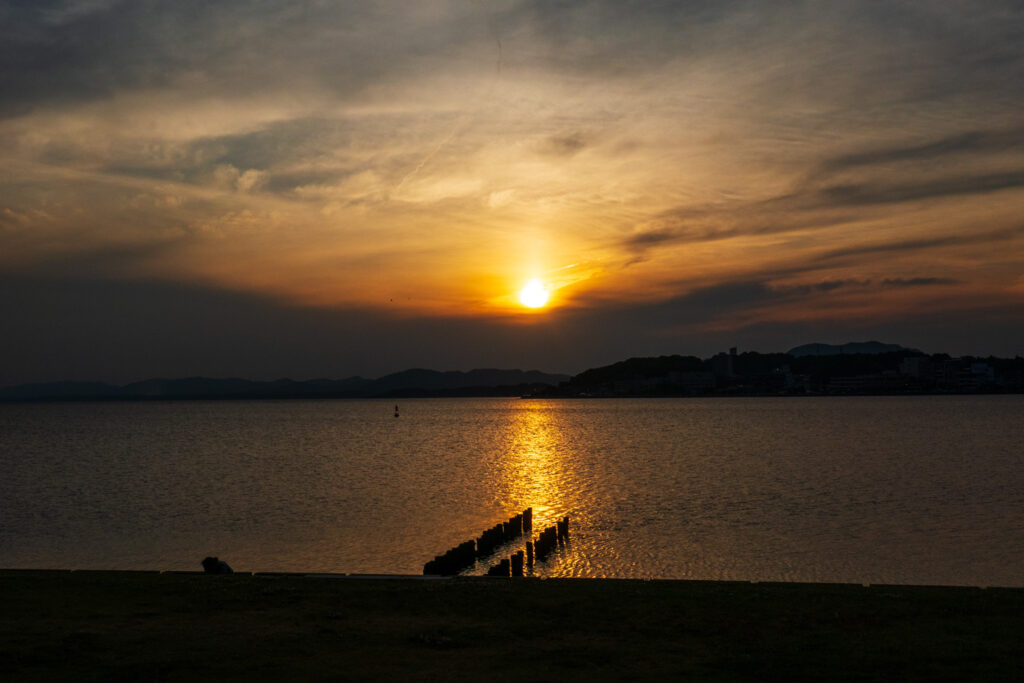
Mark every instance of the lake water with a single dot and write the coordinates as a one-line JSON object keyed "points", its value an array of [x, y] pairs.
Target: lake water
{"points": [[919, 490]]}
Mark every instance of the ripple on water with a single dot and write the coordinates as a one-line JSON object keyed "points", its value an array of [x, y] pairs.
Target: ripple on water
{"points": [[894, 489]]}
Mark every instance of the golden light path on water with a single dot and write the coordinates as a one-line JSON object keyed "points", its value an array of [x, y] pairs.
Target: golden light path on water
{"points": [[533, 472], [534, 466], [540, 468]]}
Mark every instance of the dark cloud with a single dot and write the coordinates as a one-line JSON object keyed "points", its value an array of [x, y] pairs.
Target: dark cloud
{"points": [[91, 54], [880, 192], [823, 287], [564, 145], [56, 51], [705, 302], [82, 328], [968, 143], [718, 302], [119, 331], [304, 149], [687, 225], [915, 245], [639, 243], [222, 48], [111, 261], [919, 282]]}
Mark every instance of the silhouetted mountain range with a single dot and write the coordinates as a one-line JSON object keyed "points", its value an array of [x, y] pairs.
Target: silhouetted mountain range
{"points": [[415, 382], [853, 368]]}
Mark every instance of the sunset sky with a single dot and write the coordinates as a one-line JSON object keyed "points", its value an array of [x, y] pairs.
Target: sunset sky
{"points": [[319, 189]]}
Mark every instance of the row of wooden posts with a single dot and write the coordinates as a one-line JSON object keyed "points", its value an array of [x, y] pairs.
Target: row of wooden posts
{"points": [[547, 541], [464, 555]]}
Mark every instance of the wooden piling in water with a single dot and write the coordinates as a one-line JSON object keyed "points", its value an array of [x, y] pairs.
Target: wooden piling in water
{"points": [[546, 542], [453, 561], [517, 563], [503, 568]]}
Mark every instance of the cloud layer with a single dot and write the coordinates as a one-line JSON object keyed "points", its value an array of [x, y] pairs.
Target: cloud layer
{"points": [[689, 172]]}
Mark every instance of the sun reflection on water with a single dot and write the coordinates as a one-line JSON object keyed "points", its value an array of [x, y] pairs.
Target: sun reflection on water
{"points": [[533, 465], [534, 469]]}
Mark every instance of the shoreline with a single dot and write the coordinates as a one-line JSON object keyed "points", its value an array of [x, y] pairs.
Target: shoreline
{"points": [[98, 625], [297, 574]]}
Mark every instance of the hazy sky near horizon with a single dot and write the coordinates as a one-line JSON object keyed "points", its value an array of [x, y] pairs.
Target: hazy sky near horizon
{"points": [[312, 188]]}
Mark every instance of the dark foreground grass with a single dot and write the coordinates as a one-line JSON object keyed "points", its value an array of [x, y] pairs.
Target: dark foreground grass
{"points": [[99, 626]]}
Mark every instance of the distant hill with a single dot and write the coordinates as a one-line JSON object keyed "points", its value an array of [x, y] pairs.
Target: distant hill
{"points": [[866, 368], [57, 391], [637, 368], [849, 348], [415, 382]]}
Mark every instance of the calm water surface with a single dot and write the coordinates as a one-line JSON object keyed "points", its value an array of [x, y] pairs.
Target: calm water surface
{"points": [[880, 490]]}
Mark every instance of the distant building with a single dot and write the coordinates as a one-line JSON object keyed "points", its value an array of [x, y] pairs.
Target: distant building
{"points": [[885, 381], [918, 367], [959, 375], [724, 365], [983, 372], [795, 383]]}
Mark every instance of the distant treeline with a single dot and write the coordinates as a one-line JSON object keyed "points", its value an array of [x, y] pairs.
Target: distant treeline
{"points": [[761, 374]]}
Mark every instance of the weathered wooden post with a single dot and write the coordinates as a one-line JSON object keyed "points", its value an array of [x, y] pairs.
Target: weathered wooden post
{"points": [[517, 563], [529, 554], [528, 519], [546, 542]]}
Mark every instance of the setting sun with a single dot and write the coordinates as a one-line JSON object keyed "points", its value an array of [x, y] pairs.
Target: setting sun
{"points": [[534, 294]]}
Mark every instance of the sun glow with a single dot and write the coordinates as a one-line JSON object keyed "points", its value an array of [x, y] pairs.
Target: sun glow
{"points": [[534, 294]]}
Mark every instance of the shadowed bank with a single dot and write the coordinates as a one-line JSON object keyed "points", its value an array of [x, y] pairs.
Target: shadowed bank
{"points": [[58, 625]]}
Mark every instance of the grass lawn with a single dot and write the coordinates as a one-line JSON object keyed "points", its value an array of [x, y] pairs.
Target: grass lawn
{"points": [[142, 626]]}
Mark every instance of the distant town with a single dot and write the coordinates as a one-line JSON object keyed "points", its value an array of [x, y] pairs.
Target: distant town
{"points": [[868, 368]]}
